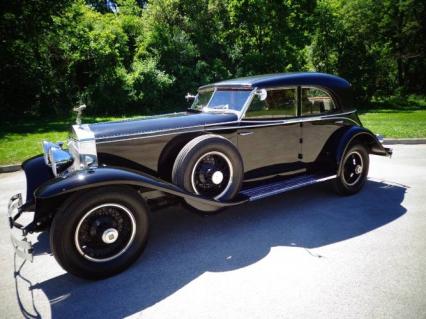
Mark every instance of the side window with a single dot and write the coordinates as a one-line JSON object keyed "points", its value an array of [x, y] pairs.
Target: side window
{"points": [[278, 104], [315, 101]]}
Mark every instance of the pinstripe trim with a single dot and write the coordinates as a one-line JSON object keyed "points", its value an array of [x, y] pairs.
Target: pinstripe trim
{"points": [[224, 126]]}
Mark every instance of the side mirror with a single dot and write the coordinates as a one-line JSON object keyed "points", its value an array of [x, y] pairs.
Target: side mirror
{"points": [[189, 97], [262, 94]]}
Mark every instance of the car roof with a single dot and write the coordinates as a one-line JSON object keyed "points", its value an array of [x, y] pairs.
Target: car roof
{"points": [[337, 86], [277, 79]]}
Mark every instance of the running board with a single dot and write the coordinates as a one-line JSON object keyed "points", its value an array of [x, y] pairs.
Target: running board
{"points": [[286, 185]]}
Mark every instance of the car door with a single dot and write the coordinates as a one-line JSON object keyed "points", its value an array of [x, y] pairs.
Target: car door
{"points": [[319, 123], [268, 134]]}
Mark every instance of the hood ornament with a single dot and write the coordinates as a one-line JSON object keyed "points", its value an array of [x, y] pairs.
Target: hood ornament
{"points": [[79, 110]]}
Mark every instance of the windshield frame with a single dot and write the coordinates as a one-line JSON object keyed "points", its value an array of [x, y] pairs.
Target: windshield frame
{"points": [[207, 109]]}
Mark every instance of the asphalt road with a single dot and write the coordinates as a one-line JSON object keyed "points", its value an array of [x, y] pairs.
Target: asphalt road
{"points": [[304, 254]]}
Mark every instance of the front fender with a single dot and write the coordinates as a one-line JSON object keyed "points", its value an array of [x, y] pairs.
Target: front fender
{"points": [[103, 176], [36, 173]]}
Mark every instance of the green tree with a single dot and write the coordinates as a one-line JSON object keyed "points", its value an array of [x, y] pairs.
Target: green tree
{"points": [[267, 36], [377, 45]]}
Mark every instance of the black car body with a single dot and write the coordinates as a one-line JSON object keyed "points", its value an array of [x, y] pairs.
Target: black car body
{"points": [[242, 140]]}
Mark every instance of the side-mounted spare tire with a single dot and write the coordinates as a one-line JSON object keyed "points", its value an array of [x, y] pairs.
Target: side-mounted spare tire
{"points": [[210, 166]]}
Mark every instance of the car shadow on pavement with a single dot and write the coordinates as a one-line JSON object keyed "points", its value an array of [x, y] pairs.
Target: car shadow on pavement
{"points": [[183, 246]]}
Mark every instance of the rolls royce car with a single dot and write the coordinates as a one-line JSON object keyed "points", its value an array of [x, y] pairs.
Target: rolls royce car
{"points": [[241, 140]]}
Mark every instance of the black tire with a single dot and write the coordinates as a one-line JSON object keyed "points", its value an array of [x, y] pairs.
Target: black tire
{"points": [[83, 226], [353, 171], [199, 161]]}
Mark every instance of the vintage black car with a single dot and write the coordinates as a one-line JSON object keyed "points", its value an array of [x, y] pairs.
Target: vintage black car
{"points": [[241, 140]]}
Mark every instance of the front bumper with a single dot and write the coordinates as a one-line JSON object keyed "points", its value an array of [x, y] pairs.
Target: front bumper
{"points": [[23, 247]]}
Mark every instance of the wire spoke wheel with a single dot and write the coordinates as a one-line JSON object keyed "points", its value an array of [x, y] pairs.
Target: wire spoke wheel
{"points": [[105, 232], [212, 175]]}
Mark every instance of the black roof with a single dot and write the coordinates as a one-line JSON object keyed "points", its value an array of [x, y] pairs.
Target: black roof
{"points": [[336, 86]]}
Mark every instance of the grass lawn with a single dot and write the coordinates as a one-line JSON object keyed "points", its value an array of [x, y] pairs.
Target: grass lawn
{"points": [[19, 141], [396, 123], [398, 117]]}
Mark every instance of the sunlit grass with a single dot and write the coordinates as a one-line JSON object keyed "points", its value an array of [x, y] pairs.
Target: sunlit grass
{"points": [[404, 124], [19, 141]]}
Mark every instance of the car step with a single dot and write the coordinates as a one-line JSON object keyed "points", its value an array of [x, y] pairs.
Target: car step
{"points": [[258, 192]]}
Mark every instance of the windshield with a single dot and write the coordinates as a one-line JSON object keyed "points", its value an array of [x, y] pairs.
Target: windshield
{"points": [[221, 100]]}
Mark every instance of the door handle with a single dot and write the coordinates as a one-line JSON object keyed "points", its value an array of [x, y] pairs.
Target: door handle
{"points": [[338, 122], [245, 133]]}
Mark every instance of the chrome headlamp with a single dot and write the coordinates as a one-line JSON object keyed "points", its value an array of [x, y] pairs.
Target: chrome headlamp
{"points": [[56, 157]]}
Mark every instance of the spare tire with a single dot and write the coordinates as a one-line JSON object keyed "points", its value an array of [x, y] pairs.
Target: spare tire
{"points": [[210, 166]]}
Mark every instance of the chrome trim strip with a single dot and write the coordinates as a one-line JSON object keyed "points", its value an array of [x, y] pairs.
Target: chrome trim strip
{"points": [[165, 130], [264, 124]]}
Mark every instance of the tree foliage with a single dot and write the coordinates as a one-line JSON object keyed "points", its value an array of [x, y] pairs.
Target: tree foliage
{"points": [[143, 56]]}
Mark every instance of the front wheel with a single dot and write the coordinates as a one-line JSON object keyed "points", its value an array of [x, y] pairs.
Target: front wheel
{"points": [[353, 171], [99, 233]]}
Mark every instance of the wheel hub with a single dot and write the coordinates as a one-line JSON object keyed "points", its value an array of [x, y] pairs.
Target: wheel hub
{"points": [[212, 175], [353, 168], [217, 177], [105, 232], [110, 235], [358, 169]]}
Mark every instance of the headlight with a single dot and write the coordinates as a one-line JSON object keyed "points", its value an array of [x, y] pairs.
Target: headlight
{"points": [[56, 157], [81, 153], [59, 159]]}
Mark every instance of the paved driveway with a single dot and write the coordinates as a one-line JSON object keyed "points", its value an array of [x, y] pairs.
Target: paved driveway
{"points": [[304, 254]]}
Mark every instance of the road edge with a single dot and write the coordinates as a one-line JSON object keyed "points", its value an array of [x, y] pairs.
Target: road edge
{"points": [[9, 168], [387, 141], [409, 141]]}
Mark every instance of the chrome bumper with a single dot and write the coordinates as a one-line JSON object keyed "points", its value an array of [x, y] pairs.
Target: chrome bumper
{"points": [[23, 247]]}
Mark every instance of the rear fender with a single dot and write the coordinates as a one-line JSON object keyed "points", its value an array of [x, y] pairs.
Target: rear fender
{"points": [[360, 135]]}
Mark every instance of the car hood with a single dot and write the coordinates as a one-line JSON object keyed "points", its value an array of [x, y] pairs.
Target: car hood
{"points": [[154, 125]]}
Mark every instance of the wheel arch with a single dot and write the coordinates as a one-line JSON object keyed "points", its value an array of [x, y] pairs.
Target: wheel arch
{"points": [[170, 152], [358, 135]]}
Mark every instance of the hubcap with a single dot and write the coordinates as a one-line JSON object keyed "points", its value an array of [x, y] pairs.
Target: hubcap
{"points": [[358, 169], [110, 235], [105, 232], [217, 177], [212, 175], [353, 168]]}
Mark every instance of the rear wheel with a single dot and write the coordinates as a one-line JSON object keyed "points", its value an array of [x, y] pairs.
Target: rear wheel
{"points": [[209, 166], [353, 171], [100, 233]]}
